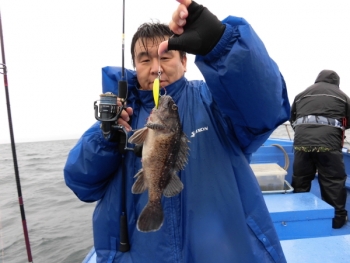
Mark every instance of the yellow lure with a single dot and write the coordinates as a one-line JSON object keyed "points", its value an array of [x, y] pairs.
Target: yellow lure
{"points": [[156, 92]]}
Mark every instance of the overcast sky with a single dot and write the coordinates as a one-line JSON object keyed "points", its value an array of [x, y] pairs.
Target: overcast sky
{"points": [[55, 50]]}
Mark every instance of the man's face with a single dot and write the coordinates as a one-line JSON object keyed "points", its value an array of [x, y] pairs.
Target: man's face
{"points": [[147, 65]]}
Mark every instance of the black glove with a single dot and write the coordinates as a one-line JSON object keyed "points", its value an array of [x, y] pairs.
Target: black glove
{"points": [[202, 32]]}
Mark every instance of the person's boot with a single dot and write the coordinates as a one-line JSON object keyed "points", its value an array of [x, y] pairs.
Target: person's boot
{"points": [[338, 221]]}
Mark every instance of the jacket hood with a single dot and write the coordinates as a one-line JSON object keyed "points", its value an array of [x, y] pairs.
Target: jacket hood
{"points": [[328, 76]]}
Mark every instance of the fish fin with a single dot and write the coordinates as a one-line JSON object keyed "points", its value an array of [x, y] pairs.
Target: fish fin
{"points": [[151, 217], [140, 172], [139, 136], [182, 157], [140, 184], [174, 186], [155, 126]]}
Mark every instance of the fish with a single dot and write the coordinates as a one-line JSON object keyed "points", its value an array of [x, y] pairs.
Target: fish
{"points": [[165, 152]]}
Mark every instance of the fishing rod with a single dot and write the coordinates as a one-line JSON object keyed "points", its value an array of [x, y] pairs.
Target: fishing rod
{"points": [[14, 155], [110, 112], [124, 245]]}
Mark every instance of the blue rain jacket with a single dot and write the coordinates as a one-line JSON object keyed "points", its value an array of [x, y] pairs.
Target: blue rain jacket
{"points": [[220, 216]]}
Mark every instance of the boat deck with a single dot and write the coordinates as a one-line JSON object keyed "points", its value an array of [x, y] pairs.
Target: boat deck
{"points": [[300, 215], [303, 221], [304, 225], [319, 249]]}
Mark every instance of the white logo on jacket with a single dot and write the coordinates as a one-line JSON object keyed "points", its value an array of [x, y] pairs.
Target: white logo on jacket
{"points": [[193, 134]]}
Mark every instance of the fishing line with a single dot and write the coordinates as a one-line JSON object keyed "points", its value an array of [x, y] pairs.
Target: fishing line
{"points": [[14, 155]]}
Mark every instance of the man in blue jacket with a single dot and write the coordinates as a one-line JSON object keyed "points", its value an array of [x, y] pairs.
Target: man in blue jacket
{"points": [[220, 215]]}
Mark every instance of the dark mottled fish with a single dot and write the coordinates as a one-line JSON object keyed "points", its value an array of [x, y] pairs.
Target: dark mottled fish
{"points": [[165, 152]]}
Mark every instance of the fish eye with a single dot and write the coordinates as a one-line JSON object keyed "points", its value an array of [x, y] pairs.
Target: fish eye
{"points": [[174, 107]]}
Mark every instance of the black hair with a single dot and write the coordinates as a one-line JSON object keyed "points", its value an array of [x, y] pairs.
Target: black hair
{"points": [[153, 31]]}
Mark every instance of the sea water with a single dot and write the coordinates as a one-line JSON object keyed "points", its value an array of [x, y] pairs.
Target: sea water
{"points": [[59, 224]]}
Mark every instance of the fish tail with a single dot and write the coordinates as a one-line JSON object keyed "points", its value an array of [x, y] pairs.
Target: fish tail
{"points": [[151, 217]]}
